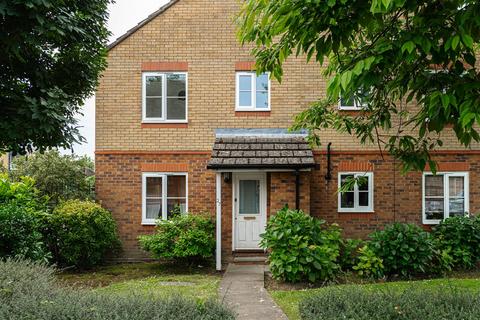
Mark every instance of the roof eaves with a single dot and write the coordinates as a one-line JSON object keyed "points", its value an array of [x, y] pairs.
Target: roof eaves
{"points": [[141, 24]]}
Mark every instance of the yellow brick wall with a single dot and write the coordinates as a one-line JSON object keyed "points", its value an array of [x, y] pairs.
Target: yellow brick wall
{"points": [[202, 33]]}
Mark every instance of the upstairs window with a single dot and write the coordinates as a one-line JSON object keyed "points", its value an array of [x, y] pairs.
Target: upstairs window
{"points": [[163, 195], [357, 102], [164, 97], [359, 196], [444, 195], [253, 92]]}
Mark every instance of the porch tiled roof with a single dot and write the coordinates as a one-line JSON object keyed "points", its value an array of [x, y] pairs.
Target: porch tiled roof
{"points": [[257, 152]]}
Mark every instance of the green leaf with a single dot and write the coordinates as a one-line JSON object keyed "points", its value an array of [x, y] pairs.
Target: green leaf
{"points": [[408, 46], [345, 79], [467, 40], [455, 41]]}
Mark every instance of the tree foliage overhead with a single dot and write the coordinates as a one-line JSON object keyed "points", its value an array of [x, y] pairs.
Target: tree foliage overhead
{"points": [[414, 59], [51, 55]]}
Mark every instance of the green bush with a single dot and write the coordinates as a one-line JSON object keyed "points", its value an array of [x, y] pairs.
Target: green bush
{"points": [[187, 237], [20, 234], [29, 291], [460, 236], [80, 233], [369, 265], [20, 212], [363, 304], [301, 247], [405, 249], [349, 253]]}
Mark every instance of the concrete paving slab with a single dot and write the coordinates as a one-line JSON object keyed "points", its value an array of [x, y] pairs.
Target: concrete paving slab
{"points": [[243, 289]]}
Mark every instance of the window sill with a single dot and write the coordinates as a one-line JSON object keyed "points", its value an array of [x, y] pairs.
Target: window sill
{"points": [[252, 113], [153, 224], [355, 211], [156, 125]]}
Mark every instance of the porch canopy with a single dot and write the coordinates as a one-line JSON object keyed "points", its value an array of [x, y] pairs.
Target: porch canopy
{"points": [[267, 149], [257, 150]]}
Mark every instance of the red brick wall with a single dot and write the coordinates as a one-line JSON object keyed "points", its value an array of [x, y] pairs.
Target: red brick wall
{"points": [[396, 197]]}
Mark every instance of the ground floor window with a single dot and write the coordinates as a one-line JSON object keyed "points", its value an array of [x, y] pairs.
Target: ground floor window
{"points": [[444, 195], [163, 195], [358, 195]]}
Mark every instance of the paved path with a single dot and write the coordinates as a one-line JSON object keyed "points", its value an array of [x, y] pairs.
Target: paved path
{"points": [[242, 288]]}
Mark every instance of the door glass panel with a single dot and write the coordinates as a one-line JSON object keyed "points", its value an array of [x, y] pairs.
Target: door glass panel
{"points": [[249, 197]]}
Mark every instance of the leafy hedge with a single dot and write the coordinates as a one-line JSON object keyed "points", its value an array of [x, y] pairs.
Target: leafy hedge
{"points": [[189, 237], [362, 304], [301, 247], [28, 291], [80, 233]]}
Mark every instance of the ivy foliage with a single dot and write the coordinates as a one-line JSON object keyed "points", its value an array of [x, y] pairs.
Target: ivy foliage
{"points": [[51, 55], [399, 53]]}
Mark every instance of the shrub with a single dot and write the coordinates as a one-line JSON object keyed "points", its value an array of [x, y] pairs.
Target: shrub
{"points": [[301, 247], [20, 234], [349, 253], [187, 237], [29, 291], [369, 265], [80, 233], [406, 249], [460, 236], [23, 193], [60, 177], [363, 304]]}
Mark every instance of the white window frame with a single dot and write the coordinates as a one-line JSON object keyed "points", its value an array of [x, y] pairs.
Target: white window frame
{"points": [[357, 207], [446, 194], [164, 176], [163, 119], [253, 89]]}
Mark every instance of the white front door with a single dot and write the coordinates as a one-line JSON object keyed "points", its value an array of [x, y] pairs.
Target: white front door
{"points": [[250, 209]]}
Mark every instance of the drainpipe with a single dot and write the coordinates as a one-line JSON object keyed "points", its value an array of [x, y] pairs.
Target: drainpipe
{"points": [[297, 189], [328, 176]]}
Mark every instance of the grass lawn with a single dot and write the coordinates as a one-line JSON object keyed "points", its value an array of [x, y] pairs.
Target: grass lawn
{"points": [[152, 279], [289, 300]]}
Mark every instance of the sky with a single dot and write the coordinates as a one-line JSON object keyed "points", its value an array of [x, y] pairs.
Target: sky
{"points": [[124, 15]]}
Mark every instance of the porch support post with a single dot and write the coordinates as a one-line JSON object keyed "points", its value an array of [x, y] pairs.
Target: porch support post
{"points": [[218, 251]]}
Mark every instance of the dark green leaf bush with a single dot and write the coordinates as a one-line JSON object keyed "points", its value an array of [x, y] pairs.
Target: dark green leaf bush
{"points": [[189, 237], [20, 213], [369, 265], [29, 291], [301, 247], [405, 249], [80, 233], [20, 234], [349, 253], [363, 304], [460, 236]]}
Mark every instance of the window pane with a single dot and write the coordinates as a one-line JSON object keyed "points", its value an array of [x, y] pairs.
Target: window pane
{"points": [[347, 200], [174, 206], [154, 108], [154, 208], [434, 209], [176, 186], [245, 99], [249, 197], [456, 207], [262, 100], [154, 187], [245, 83], [434, 185], [176, 85], [363, 199], [456, 185], [154, 86], [363, 182], [346, 102], [346, 178], [176, 109], [262, 82]]}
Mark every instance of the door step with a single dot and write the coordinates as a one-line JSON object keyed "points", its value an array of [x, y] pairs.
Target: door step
{"points": [[250, 257]]}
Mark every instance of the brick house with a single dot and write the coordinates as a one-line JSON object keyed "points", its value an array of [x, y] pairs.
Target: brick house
{"points": [[183, 120]]}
